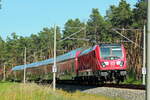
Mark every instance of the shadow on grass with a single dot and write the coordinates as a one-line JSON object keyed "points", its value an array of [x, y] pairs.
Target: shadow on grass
{"points": [[74, 88]]}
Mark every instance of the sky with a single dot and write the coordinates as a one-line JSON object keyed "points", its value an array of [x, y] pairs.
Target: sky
{"points": [[26, 17]]}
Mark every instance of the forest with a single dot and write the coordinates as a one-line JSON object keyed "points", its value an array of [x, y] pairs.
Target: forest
{"points": [[97, 29]]}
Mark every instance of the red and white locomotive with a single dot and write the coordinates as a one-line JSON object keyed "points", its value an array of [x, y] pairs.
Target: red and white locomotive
{"points": [[105, 62]]}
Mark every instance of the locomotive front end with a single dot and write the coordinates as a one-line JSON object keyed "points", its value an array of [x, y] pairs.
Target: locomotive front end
{"points": [[113, 62]]}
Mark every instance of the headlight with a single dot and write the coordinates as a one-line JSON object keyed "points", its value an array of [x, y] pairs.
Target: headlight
{"points": [[121, 63], [103, 64], [118, 62]]}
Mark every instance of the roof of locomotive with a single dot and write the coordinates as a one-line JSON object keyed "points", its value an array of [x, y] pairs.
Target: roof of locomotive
{"points": [[85, 51], [66, 56], [103, 45]]}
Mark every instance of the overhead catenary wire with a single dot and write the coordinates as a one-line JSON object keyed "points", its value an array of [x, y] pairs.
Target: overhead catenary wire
{"points": [[79, 39], [118, 41], [127, 37], [83, 28], [59, 40], [127, 29], [71, 35]]}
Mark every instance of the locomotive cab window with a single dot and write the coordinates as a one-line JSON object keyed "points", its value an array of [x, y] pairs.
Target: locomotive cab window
{"points": [[111, 52], [117, 51]]}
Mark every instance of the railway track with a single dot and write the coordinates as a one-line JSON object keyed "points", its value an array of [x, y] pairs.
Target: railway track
{"points": [[97, 84], [126, 86]]}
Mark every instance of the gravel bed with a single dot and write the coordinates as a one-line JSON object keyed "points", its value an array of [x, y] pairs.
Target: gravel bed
{"points": [[126, 94]]}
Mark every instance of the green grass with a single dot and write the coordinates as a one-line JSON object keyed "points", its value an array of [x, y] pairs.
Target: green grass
{"points": [[17, 91], [131, 80]]}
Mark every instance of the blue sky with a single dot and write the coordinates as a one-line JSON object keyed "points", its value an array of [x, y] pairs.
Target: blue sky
{"points": [[30, 16]]}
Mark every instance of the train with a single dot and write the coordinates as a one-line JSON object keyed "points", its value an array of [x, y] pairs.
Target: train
{"points": [[99, 63]]}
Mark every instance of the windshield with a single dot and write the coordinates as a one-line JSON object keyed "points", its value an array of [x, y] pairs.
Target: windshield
{"points": [[111, 52]]}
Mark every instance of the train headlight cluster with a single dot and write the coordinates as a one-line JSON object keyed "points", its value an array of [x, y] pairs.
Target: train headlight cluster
{"points": [[120, 63], [104, 64]]}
